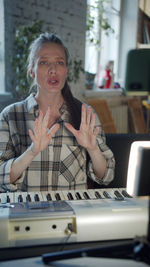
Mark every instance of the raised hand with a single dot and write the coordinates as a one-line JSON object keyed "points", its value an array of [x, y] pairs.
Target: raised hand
{"points": [[86, 135], [41, 135]]}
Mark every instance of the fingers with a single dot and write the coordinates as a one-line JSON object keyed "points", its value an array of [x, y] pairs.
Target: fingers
{"points": [[41, 126], [31, 135], [83, 114], [71, 128], [51, 132], [87, 116], [92, 122], [41, 123]]}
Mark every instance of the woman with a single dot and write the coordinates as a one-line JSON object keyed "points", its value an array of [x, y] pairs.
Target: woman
{"points": [[51, 140]]}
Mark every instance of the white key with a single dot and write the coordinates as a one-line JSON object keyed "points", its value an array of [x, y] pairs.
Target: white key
{"points": [[91, 192], [44, 195], [17, 194], [3, 198]]}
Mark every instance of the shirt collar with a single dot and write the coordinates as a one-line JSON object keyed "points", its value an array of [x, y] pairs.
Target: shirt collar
{"points": [[33, 107], [31, 103]]}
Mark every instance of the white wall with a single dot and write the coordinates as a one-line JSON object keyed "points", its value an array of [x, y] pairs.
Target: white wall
{"points": [[66, 17]]}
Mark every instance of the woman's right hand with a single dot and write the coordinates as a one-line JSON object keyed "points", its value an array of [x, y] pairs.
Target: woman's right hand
{"points": [[41, 134]]}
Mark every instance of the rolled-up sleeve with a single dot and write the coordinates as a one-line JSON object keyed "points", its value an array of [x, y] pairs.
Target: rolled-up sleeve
{"points": [[108, 155], [7, 155]]}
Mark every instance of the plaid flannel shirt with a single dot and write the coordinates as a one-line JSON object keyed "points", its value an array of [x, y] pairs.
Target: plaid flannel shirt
{"points": [[61, 166]]}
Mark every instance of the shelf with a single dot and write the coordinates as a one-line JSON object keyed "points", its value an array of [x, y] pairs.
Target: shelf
{"points": [[144, 5], [145, 46]]}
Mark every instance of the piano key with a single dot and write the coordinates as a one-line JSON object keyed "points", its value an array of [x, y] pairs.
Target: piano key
{"points": [[78, 196], [118, 195], [54, 195], [106, 194], [28, 198], [98, 195], [70, 196], [3, 198], [72, 192], [6, 197], [62, 196], [20, 198], [49, 198], [36, 197], [57, 196], [91, 193], [45, 196], [83, 194], [10, 197], [86, 195], [125, 194], [111, 192], [40, 196], [17, 194]]}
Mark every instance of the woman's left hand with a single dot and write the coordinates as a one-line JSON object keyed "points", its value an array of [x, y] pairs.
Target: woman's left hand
{"points": [[86, 135]]}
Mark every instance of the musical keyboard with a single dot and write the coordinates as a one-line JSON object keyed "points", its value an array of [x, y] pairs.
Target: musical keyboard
{"points": [[37, 218], [105, 193]]}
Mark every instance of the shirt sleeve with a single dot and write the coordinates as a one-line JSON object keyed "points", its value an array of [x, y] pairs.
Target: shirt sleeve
{"points": [[108, 154], [7, 155]]}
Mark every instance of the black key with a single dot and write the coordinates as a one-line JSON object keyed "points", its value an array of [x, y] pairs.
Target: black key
{"points": [[8, 199], [86, 196], [70, 196], [98, 195], [20, 198], [118, 195], [105, 193], [36, 197], [78, 196], [57, 196], [125, 194], [28, 198], [49, 198]]}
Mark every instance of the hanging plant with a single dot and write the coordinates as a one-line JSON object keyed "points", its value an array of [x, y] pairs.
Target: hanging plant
{"points": [[97, 19], [23, 37], [75, 69]]}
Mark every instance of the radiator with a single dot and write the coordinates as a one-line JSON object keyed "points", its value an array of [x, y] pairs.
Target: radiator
{"points": [[120, 116]]}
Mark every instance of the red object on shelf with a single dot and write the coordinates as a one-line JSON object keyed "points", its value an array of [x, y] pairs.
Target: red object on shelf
{"points": [[107, 78]]}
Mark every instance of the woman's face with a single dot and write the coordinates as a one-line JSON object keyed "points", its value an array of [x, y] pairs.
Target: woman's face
{"points": [[50, 70]]}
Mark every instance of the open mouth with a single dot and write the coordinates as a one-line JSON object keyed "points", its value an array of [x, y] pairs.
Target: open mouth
{"points": [[53, 81]]}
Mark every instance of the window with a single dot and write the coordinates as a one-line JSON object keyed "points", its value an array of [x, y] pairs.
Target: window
{"points": [[97, 57]]}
